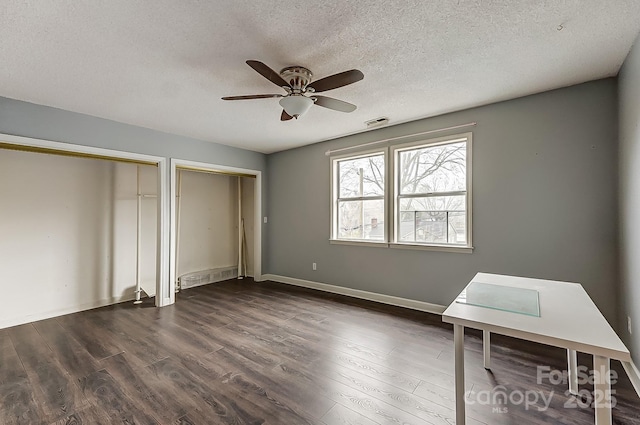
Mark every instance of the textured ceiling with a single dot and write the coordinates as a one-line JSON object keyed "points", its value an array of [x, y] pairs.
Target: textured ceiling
{"points": [[164, 64]]}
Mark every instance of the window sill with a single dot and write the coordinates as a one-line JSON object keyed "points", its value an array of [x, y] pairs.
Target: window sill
{"points": [[380, 244], [442, 248], [395, 245]]}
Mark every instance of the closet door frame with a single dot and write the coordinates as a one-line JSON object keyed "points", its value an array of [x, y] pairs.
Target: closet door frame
{"points": [[221, 169]]}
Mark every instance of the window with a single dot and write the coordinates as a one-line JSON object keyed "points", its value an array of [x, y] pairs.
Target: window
{"points": [[430, 192], [359, 200], [429, 204]]}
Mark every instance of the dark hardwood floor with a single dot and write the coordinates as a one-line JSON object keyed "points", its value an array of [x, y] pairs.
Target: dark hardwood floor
{"points": [[238, 352]]}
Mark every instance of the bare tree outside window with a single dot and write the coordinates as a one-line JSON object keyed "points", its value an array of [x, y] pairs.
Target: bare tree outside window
{"points": [[432, 194]]}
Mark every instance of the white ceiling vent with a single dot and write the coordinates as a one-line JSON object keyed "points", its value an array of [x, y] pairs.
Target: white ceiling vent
{"points": [[377, 122]]}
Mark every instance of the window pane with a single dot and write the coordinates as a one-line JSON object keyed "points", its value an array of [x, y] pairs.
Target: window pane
{"points": [[437, 219], [361, 177], [361, 220], [458, 228], [433, 169]]}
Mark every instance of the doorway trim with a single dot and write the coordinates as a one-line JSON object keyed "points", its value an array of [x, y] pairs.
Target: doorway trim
{"points": [[213, 168]]}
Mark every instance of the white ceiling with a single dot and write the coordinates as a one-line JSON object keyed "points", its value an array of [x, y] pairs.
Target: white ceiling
{"points": [[164, 64]]}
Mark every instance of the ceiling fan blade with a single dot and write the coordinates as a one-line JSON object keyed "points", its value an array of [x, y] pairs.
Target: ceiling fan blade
{"points": [[268, 73], [285, 116], [335, 104], [337, 80], [251, 96]]}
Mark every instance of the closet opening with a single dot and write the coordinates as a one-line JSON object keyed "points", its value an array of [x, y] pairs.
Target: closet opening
{"points": [[70, 228], [216, 224]]}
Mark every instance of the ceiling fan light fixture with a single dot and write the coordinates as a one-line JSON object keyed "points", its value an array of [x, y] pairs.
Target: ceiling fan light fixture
{"points": [[296, 104], [296, 81]]}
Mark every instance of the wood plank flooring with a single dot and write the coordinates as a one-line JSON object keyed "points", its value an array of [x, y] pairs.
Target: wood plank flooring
{"points": [[238, 352]]}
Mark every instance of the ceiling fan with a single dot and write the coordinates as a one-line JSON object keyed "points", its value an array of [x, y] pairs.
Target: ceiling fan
{"points": [[296, 80]]}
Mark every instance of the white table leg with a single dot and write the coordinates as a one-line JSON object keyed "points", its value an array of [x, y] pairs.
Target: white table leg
{"points": [[486, 345], [602, 390], [458, 338], [572, 360]]}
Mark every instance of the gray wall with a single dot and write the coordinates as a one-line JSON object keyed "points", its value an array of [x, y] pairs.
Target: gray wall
{"points": [[544, 203], [629, 110]]}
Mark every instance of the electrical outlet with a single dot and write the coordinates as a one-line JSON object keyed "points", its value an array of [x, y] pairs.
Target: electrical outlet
{"points": [[314, 266], [265, 219], [629, 324]]}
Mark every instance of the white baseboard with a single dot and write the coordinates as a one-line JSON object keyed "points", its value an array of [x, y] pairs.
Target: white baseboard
{"points": [[634, 375], [357, 293], [62, 311]]}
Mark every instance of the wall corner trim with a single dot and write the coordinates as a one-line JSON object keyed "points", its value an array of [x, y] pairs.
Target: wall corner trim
{"points": [[357, 293], [634, 375]]}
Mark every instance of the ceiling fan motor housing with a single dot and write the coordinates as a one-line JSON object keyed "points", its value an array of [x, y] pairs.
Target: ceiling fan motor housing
{"points": [[298, 78]]}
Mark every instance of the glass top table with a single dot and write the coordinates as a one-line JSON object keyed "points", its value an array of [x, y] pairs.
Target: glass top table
{"points": [[498, 297]]}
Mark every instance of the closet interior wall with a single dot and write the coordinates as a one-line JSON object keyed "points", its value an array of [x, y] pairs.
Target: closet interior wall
{"points": [[68, 229], [208, 221]]}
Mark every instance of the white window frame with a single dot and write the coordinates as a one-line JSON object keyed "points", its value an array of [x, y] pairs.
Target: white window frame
{"points": [[334, 160], [391, 196], [439, 141]]}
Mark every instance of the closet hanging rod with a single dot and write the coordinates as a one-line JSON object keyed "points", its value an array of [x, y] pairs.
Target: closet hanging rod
{"points": [[331, 151]]}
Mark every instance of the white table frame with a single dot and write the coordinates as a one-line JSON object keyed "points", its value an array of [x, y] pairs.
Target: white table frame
{"points": [[599, 339], [572, 362]]}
